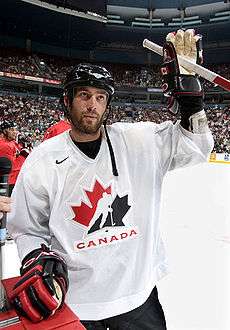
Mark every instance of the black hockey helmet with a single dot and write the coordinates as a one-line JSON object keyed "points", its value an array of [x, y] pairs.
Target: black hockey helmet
{"points": [[87, 74], [7, 124]]}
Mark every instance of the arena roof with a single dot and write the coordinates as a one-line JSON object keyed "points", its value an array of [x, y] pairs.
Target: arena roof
{"points": [[53, 23], [156, 13]]}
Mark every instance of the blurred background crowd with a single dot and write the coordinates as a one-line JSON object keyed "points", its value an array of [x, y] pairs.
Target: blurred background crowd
{"points": [[53, 67], [33, 114]]}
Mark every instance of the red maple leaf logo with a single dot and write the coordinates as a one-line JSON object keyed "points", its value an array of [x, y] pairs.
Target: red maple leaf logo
{"points": [[84, 213]]}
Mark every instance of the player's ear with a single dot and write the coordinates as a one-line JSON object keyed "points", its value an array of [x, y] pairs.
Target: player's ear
{"points": [[106, 113], [66, 101]]}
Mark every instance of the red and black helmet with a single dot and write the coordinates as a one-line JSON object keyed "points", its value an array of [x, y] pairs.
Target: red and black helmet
{"points": [[86, 74]]}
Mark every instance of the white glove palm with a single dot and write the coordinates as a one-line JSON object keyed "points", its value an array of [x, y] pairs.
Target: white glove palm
{"points": [[185, 43]]}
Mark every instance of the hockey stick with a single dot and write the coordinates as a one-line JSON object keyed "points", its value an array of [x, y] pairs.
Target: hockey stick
{"points": [[200, 70]]}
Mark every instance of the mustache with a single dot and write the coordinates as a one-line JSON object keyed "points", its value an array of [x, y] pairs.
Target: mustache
{"points": [[90, 112], [95, 114]]}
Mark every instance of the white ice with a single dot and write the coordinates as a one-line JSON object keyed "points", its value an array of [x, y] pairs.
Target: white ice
{"points": [[195, 222], [195, 225]]}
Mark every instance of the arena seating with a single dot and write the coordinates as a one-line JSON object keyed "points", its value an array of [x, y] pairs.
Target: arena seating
{"points": [[34, 115]]}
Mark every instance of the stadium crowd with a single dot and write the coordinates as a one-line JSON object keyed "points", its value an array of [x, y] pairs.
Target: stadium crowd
{"points": [[56, 68], [13, 61], [33, 115], [45, 66]]}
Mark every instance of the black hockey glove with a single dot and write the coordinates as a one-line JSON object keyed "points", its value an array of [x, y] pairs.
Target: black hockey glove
{"points": [[43, 285], [181, 87]]}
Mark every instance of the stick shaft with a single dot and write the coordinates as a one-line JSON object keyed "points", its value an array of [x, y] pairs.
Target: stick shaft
{"points": [[200, 70]]}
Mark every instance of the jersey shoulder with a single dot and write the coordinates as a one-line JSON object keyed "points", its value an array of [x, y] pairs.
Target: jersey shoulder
{"points": [[139, 126], [49, 150]]}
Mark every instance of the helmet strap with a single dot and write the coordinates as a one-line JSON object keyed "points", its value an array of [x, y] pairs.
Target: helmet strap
{"points": [[112, 156]]}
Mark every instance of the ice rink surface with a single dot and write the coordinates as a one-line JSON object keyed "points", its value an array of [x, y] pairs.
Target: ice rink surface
{"points": [[195, 222]]}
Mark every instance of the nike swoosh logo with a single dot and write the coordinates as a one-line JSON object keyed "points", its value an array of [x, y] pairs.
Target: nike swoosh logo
{"points": [[61, 161]]}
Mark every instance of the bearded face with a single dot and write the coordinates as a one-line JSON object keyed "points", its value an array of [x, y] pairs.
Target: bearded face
{"points": [[88, 110]]}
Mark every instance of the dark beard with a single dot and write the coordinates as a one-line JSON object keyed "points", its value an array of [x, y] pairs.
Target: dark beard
{"points": [[85, 128]]}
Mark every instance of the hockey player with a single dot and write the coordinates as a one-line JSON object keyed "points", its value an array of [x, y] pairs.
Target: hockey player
{"points": [[7, 142], [24, 147], [112, 248], [11, 148]]}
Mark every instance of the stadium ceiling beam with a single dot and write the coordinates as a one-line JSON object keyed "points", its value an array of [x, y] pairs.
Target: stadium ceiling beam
{"points": [[87, 15]]}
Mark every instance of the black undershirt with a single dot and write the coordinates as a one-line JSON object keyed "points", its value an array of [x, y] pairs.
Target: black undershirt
{"points": [[90, 148]]}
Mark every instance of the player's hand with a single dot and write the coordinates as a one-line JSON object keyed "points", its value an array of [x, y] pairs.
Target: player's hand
{"points": [[181, 88], [5, 204], [43, 285], [188, 45]]}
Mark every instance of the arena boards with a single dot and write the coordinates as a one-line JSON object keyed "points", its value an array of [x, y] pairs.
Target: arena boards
{"points": [[219, 158]]}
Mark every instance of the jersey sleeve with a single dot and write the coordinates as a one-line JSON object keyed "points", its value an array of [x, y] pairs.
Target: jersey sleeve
{"points": [[7, 151], [178, 147], [30, 213]]}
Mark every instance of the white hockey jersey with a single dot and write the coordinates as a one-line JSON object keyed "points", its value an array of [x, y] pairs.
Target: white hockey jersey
{"points": [[105, 227]]}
